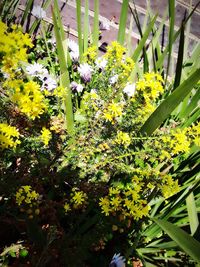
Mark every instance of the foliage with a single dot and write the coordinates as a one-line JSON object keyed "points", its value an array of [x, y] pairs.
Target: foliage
{"points": [[88, 164]]}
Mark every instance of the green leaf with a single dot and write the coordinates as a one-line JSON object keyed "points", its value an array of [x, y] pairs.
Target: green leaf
{"points": [[96, 23], [122, 22], [26, 11], [142, 42], [171, 5], [186, 242], [160, 61], [192, 118], [169, 104], [192, 213], [64, 76], [79, 28], [86, 26], [179, 64], [190, 106]]}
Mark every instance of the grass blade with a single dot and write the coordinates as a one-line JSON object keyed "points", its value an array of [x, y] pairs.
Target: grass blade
{"points": [[79, 28], [59, 20], [171, 5], [64, 75], [192, 213], [170, 103], [179, 64], [122, 22], [192, 104], [86, 26], [142, 42], [26, 11], [96, 23], [192, 118], [190, 245], [162, 57]]}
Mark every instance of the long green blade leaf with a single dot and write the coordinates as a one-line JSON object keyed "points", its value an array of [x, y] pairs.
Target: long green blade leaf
{"points": [[169, 104], [64, 76], [96, 23], [122, 22], [179, 64], [79, 28], [171, 5], [26, 11], [162, 57], [190, 245], [86, 25], [192, 213], [142, 42]]}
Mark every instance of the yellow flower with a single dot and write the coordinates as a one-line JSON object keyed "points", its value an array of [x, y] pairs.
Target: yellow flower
{"points": [[9, 136], [179, 142], [115, 202], [45, 136], [123, 139], [114, 191], [79, 197], [25, 195], [104, 203], [113, 111], [67, 207], [91, 54], [13, 47], [29, 98], [170, 187], [150, 86], [115, 52]]}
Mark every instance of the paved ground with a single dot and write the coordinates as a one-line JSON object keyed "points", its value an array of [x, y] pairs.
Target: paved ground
{"points": [[110, 10]]}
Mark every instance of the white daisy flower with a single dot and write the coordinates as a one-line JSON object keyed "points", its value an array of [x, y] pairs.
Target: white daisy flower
{"points": [[49, 83], [74, 55], [73, 46], [76, 87], [129, 89], [36, 70], [85, 71], [39, 12], [101, 63], [113, 79]]}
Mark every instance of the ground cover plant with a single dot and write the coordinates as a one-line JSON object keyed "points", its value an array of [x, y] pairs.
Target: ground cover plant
{"points": [[99, 154]]}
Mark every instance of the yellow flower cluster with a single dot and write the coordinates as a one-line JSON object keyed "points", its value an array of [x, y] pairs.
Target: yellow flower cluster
{"points": [[9, 136], [91, 54], [29, 99], [127, 201], [13, 47], [118, 61], [115, 52], [26, 196], [177, 141], [169, 186], [150, 86], [148, 89], [113, 111], [45, 136], [126, 68], [123, 139], [77, 201]]}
